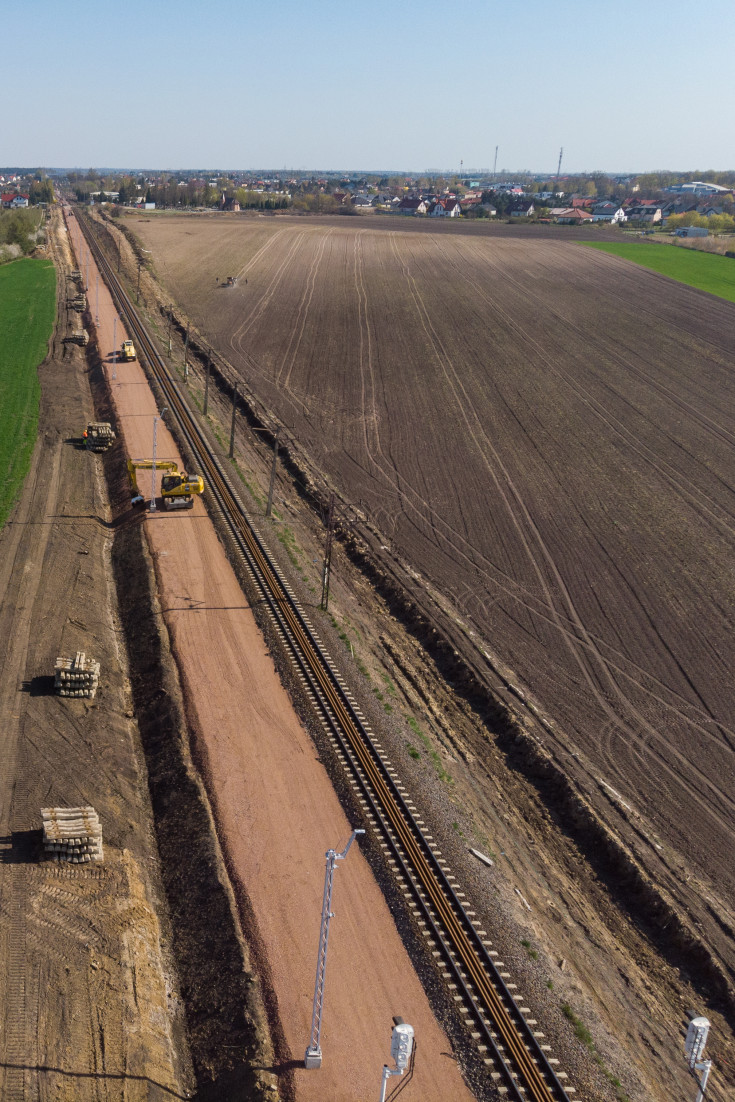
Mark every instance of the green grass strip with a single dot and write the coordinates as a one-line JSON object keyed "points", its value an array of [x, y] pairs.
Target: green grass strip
{"points": [[705, 271], [27, 315]]}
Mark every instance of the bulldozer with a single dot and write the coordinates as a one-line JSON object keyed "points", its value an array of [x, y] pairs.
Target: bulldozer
{"points": [[98, 436], [127, 352], [177, 487]]}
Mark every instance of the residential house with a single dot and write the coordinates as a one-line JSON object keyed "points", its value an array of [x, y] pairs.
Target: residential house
{"points": [[363, 202], [521, 208], [608, 212], [649, 211], [570, 216], [677, 206], [446, 208], [412, 206]]}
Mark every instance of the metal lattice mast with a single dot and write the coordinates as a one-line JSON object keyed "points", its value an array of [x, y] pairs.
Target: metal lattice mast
{"points": [[313, 1058]]}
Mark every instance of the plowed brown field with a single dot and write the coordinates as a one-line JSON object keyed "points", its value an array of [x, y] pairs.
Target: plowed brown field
{"points": [[547, 434]]}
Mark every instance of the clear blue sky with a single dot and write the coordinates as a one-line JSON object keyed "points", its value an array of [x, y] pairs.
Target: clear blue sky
{"points": [[623, 86]]}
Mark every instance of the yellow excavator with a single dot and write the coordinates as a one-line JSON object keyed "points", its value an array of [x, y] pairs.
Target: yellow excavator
{"points": [[177, 487]]}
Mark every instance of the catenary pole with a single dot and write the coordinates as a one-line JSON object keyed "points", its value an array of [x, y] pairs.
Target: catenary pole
{"points": [[231, 452], [206, 382], [313, 1057]]}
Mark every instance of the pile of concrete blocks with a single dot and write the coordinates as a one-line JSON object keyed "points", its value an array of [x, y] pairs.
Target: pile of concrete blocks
{"points": [[78, 676], [72, 834]]}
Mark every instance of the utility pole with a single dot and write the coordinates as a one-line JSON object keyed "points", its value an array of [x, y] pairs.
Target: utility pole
{"points": [[313, 1058], [170, 323], [97, 300], [231, 452], [273, 471], [186, 353], [206, 382], [495, 163], [114, 346], [558, 167], [137, 290], [327, 567]]}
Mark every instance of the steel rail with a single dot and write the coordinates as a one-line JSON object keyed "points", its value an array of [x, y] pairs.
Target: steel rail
{"points": [[518, 1056]]}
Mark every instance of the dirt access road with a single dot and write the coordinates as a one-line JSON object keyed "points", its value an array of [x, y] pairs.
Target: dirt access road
{"points": [[90, 1003], [276, 810]]}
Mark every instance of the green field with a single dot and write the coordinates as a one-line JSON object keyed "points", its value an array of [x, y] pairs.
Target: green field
{"points": [[705, 271], [27, 314]]}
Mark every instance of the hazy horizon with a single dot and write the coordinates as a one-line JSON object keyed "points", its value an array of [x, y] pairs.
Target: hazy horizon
{"points": [[106, 170]]}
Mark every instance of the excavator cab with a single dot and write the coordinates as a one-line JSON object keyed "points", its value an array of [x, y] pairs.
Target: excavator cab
{"points": [[173, 481]]}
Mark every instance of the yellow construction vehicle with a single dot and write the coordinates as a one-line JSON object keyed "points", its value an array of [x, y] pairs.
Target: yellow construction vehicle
{"points": [[177, 488], [127, 352]]}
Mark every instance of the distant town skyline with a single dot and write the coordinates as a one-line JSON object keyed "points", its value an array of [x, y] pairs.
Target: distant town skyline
{"points": [[259, 170], [303, 87]]}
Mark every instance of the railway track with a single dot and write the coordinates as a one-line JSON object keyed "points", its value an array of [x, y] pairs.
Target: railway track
{"points": [[494, 1015]]}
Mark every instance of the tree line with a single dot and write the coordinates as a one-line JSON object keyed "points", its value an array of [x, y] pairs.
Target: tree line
{"points": [[19, 227]]}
